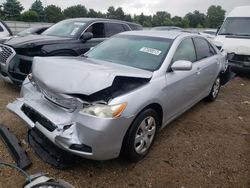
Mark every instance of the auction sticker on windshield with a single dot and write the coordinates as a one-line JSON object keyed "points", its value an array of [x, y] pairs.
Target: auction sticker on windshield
{"points": [[150, 51]]}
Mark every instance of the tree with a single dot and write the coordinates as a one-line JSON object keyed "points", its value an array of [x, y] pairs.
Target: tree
{"points": [[92, 13], [196, 18], [1, 12], [215, 16], [37, 6], [185, 23], [116, 13], [53, 13], [12, 9], [30, 16], [76, 11], [160, 17], [144, 20], [111, 13], [177, 21]]}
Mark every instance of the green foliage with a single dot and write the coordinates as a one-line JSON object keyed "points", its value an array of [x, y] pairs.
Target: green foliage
{"points": [[196, 18], [12, 9], [93, 14], [185, 22], [30, 16], [161, 18], [37, 6], [199, 26], [53, 14], [215, 16], [77, 11], [145, 21]]}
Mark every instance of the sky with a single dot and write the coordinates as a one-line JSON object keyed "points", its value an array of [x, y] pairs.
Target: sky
{"points": [[148, 7]]}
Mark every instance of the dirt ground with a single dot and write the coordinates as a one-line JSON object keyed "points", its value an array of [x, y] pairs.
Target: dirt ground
{"points": [[208, 146]]}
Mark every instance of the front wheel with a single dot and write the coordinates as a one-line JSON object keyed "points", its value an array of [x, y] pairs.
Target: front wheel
{"points": [[215, 90], [141, 135]]}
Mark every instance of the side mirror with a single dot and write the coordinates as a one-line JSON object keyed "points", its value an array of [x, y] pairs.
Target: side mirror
{"points": [[86, 36], [182, 65], [218, 44]]}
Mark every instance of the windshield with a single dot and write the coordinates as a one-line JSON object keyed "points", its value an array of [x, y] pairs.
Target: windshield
{"points": [[236, 26], [67, 28], [141, 52]]}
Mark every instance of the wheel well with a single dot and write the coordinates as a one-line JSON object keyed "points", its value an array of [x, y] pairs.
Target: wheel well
{"points": [[157, 107]]}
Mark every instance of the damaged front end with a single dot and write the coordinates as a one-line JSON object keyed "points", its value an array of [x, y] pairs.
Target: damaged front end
{"points": [[75, 112]]}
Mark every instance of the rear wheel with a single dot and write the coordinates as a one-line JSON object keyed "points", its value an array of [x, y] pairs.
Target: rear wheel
{"points": [[215, 90], [141, 135]]}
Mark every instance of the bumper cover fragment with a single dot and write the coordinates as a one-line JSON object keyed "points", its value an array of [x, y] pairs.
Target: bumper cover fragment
{"points": [[13, 144]]}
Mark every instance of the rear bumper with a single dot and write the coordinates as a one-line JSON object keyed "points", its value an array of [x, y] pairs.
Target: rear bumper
{"points": [[74, 132]]}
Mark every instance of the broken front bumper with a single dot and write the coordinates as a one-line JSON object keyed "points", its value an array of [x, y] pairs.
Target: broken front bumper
{"points": [[80, 134]]}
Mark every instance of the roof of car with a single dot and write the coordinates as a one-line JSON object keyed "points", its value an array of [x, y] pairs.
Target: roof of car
{"points": [[100, 19], [161, 34]]}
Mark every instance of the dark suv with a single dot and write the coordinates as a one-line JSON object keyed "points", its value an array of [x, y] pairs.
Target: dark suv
{"points": [[66, 38]]}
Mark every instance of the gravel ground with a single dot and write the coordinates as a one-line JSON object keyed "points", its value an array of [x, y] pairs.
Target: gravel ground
{"points": [[208, 146]]}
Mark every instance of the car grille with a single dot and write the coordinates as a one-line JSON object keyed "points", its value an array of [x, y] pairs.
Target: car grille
{"points": [[37, 117], [67, 102], [6, 53], [244, 58]]}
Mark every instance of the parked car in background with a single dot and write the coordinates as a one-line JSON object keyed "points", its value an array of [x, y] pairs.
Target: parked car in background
{"points": [[166, 28], [92, 106], [209, 33], [29, 31], [66, 38], [4, 30], [33, 30], [234, 35]]}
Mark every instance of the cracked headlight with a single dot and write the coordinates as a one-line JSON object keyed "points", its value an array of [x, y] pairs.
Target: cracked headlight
{"points": [[105, 111]]}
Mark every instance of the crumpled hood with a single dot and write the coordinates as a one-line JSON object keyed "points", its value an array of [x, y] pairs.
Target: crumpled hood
{"points": [[235, 45], [78, 75], [34, 40]]}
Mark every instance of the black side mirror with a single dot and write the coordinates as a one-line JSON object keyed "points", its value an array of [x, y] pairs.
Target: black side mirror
{"points": [[86, 36]]}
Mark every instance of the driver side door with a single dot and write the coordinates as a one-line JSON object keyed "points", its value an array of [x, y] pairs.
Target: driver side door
{"points": [[181, 89]]}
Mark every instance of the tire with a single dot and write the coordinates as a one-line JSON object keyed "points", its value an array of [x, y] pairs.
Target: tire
{"points": [[144, 127], [215, 90]]}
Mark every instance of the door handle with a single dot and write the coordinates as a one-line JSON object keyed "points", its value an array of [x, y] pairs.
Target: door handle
{"points": [[198, 71]]}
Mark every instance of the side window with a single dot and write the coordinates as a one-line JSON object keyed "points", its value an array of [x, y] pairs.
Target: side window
{"points": [[114, 28], [1, 29], [212, 50], [203, 48], [185, 51], [97, 29]]}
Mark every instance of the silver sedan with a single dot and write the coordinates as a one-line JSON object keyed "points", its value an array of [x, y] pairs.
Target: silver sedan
{"points": [[114, 99]]}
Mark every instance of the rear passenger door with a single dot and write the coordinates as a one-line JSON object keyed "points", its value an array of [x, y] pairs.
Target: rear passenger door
{"points": [[115, 28], [206, 65]]}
